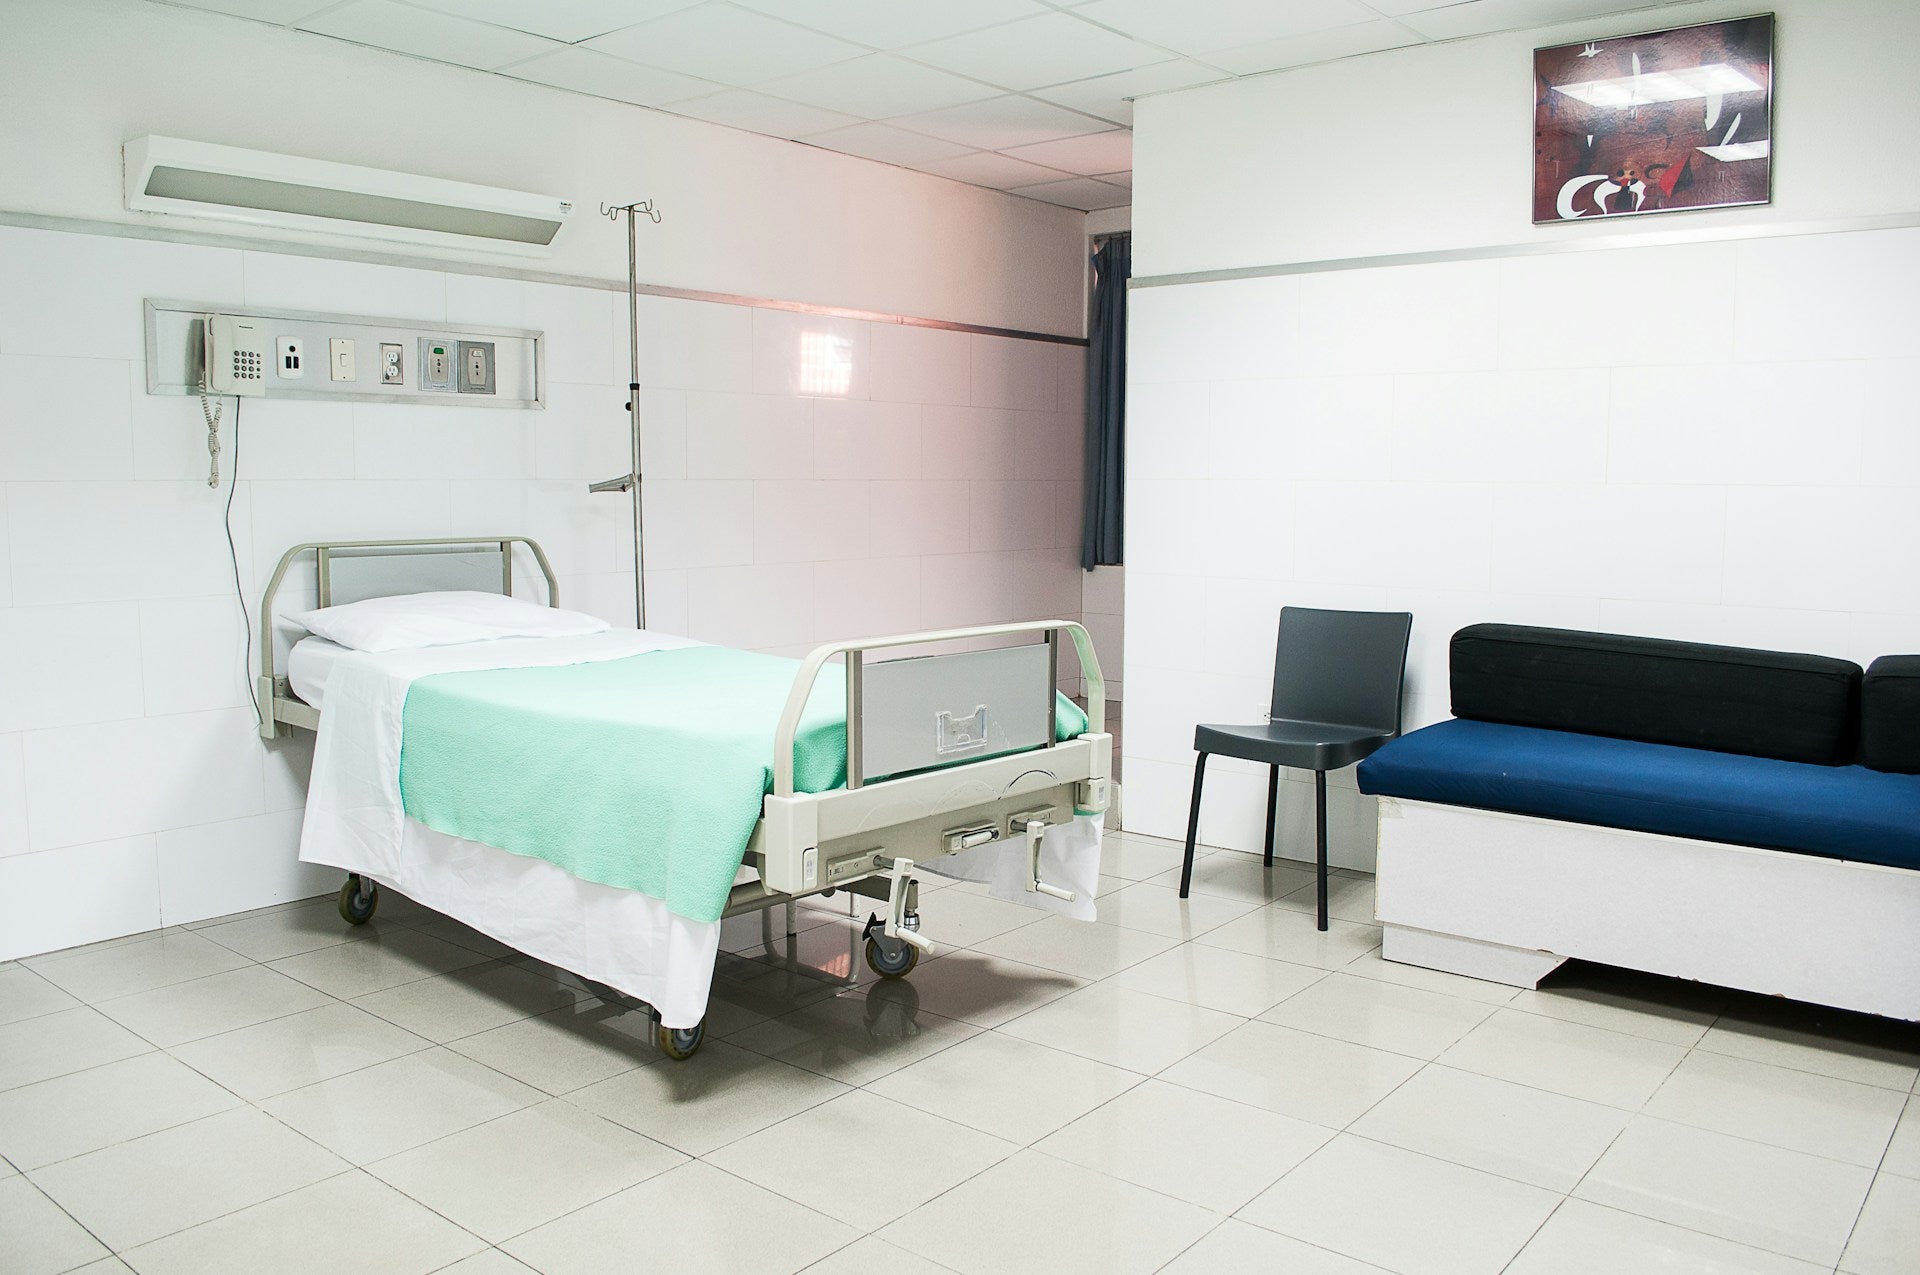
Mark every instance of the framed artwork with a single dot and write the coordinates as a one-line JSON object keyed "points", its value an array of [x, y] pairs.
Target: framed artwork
{"points": [[1661, 122]]}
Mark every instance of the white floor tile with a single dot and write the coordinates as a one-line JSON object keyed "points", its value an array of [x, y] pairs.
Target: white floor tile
{"points": [[387, 959], [1215, 978], [1640, 1005], [1187, 1144], [208, 1006], [24, 994], [61, 1042], [1075, 947], [1568, 1058], [466, 1002], [569, 1048], [867, 1255], [1159, 909], [1886, 1240], [1903, 1152], [833, 1156], [388, 1108], [1762, 1196], [856, 1038], [1400, 1020], [1442, 1218], [284, 932], [1313, 1078], [1132, 857], [960, 918], [1005, 1086], [1241, 1246], [87, 1110], [41, 1239], [985, 990], [1822, 1116], [313, 1231], [1033, 1213], [171, 956], [1124, 1028], [1530, 1135], [1586, 1239], [1233, 875], [1373, 965], [725, 1094], [1349, 898], [1282, 934], [490, 1261], [1826, 1042], [299, 1050], [166, 1182], [525, 1169], [720, 1225]]}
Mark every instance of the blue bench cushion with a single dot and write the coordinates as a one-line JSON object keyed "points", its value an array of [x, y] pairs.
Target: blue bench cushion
{"points": [[1845, 812]]}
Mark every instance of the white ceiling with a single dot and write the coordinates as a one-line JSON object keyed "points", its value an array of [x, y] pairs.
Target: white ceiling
{"points": [[1028, 96]]}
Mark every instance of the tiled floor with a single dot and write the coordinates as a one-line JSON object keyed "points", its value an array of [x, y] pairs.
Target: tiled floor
{"points": [[1199, 1087]]}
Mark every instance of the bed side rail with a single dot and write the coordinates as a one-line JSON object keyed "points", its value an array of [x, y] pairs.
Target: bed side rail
{"points": [[964, 721]]}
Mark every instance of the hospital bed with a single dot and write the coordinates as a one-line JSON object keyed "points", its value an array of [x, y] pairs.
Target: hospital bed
{"points": [[953, 764]]}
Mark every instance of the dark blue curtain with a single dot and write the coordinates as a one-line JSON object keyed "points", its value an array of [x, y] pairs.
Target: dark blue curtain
{"points": [[1103, 531]]}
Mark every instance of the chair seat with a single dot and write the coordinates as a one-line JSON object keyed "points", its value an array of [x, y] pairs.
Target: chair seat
{"points": [[1283, 742]]}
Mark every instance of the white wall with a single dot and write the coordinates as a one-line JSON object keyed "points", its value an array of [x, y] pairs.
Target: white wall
{"points": [[743, 214], [943, 490], [1715, 440]]}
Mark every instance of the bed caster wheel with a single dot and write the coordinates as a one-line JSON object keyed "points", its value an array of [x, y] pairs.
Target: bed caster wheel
{"points": [[891, 958], [681, 1042], [358, 899]]}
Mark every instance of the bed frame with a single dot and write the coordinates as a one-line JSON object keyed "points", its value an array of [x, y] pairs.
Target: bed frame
{"points": [[920, 785]]}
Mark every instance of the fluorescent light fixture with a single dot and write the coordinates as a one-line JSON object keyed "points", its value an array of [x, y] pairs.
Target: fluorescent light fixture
{"points": [[826, 363], [1736, 151], [227, 183], [1661, 86]]}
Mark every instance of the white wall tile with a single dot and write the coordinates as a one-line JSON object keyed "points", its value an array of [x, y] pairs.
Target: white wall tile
{"points": [[276, 280], [1497, 427], [1336, 428], [1781, 423], [290, 513], [106, 541], [286, 441], [754, 606], [1626, 542], [1438, 536], [1162, 619], [1048, 445], [582, 533], [1555, 308], [920, 365], [968, 442], [1011, 515], [1225, 331], [1827, 632], [1429, 318], [13, 797], [809, 521], [1823, 548], [689, 345], [1070, 362], [583, 436], [920, 517], [663, 433], [810, 354], [81, 294], [66, 419], [218, 868], [1248, 529], [667, 599], [156, 773], [869, 598], [65, 665], [6, 553], [79, 894], [731, 435], [1103, 590], [193, 654], [699, 524], [1846, 296], [860, 439], [395, 442], [289, 765], [1011, 373]]}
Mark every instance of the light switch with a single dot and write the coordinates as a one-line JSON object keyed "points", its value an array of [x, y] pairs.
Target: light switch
{"points": [[340, 358]]}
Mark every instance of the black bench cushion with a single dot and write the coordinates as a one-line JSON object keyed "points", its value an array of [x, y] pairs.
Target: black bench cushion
{"points": [[1725, 698], [1890, 715]]}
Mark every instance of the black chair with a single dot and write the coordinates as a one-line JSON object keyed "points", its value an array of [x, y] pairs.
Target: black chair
{"points": [[1337, 690]]}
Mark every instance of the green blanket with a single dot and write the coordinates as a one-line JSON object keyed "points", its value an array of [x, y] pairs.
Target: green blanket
{"points": [[644, 773]]}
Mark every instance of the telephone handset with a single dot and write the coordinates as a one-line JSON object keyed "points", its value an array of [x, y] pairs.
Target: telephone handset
{"points": [[233, 360]]}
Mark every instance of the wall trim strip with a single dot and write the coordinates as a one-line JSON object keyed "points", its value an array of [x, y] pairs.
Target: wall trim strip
{"points": [[204, 239], [1842, 225]]}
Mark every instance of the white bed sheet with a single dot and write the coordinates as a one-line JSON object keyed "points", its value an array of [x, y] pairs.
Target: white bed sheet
{"points": [[630, 941], [308, 664]]}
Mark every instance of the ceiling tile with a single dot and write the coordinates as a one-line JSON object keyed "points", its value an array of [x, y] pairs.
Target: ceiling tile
{"points": [[404, 29], [585, 71], [1315, 46], [279, 12], [887, 144], [1479, 17], [726, 44], [569, 20], [758, 113], [1001, 122], [1050, 49], [1122, 180], [1219, 24], [1079, 192], [1108, 96], [890, 24], [988, 168], [1088, 155], [879, 86]]}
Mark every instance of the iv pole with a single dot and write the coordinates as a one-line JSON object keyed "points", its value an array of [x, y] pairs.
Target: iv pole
{"points": [[630, 481]]}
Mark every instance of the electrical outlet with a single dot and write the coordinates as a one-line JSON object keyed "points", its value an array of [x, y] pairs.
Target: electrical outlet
{"points": [[476, 367], [293, 357], [436, 364], [392, 369], [340, 358]]}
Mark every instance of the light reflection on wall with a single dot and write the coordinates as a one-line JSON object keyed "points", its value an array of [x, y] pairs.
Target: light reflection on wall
{"points": [[826, 363]]}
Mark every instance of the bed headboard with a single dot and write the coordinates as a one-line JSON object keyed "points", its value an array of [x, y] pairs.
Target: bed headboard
{"points": [[336, 572]]}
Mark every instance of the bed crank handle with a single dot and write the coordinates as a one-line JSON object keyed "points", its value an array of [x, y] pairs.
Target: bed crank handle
{"points": [[901, 924], [1036, 829]]}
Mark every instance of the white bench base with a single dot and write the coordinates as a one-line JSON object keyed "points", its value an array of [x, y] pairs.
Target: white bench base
{"points": [[1508, 897]]}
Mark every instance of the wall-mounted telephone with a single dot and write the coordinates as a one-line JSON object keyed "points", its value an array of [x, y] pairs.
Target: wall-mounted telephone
{"points": [[237, 356]]}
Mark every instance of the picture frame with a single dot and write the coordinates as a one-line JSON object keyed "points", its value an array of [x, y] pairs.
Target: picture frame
{"points": [[1664, 121]]}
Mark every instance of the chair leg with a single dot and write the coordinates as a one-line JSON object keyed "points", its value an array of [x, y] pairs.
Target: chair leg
{"points": [[1320, 837], [1273, 806], [1193, 825]]}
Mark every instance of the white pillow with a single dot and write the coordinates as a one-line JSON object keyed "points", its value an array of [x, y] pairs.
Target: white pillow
{"points": [[411, 620]]}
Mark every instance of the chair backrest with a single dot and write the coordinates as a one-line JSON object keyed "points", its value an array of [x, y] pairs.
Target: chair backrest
{"points": [[1343, 667]]}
